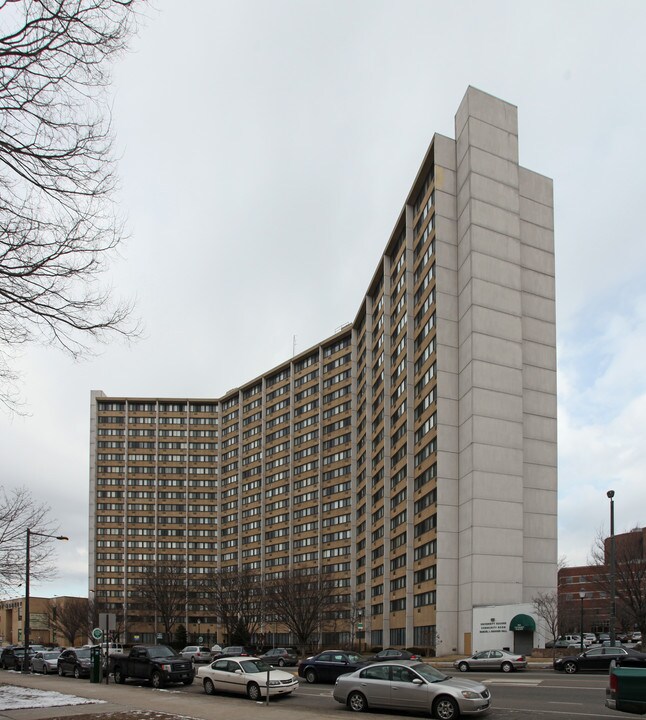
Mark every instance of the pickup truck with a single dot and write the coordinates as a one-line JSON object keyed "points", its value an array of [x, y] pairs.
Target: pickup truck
{"points": [[157, 663], [627, 690]]}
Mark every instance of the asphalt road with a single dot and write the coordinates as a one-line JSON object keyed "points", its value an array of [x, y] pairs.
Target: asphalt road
{"points": [[530, 695]]}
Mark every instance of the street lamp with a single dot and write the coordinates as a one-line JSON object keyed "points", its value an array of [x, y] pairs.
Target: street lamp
{"points": [[613, 568], [25, 664], [582, 597]]}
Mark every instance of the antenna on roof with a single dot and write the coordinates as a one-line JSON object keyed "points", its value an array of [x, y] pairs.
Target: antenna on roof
{"points": [[294, 346]]}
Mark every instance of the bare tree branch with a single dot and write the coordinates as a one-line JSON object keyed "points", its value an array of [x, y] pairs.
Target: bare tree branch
{"points": [[236, 599], [58, 222], [70, 617], [163, 589], [630, 574], [19, 511], [300, 601], [547, 607]]}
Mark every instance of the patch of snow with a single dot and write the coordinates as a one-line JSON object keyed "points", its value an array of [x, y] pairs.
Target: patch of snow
{"points": [[13, 697]]}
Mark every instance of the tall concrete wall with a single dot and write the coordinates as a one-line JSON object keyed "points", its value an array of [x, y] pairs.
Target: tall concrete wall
{"points": [[506, 410]]}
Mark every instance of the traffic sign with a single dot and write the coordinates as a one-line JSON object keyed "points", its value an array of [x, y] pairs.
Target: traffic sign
{"points": [[97, 634], [200, 639]]}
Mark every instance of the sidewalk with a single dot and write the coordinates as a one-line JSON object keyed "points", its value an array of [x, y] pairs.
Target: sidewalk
{"points": [[131, 701]]}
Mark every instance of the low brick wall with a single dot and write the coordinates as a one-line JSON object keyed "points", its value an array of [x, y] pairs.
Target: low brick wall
{"points": [[549, 652]]}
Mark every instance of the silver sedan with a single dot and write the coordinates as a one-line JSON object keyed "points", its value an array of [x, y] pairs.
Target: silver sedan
{"points": [[411, 685], [492, 660], [45, 661]]}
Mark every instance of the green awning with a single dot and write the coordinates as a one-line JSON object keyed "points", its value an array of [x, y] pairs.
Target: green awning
{"points": [[522, 623]]}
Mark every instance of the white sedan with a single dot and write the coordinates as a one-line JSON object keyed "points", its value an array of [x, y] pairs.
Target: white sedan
{"points": [[245, 675]]}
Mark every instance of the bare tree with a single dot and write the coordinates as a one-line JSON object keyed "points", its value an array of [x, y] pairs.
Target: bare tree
{"points": [[236, 599], [300, 601], [19, 511], [58, 222], [70, 618], [163, 590], [547, 607], [630, 575]]}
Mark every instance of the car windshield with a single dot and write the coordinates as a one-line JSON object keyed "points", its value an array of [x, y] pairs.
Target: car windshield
{"points": [[50, 655], [161, 651], [428, 672], [255, 666], [354, 658]]}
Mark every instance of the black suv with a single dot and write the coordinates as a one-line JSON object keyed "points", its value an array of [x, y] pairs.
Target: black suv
{"points": [[76, 661], [12, 657]]}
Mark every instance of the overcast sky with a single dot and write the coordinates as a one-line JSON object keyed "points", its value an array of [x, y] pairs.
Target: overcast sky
{"points": [[266, 149]]}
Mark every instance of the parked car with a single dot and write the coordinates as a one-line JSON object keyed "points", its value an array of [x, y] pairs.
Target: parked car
{"points": [[599, 658], [159, 664], [411, 685], [558, 643], [636, 637], [216, 648], [74, 661], [492, 660], [589, 639], [11, 658], [245, 675], [111, 648], [393, 654], [627, 690], [280, 657], [329, 664], [45, 661], [237, 651], [196, 653]]}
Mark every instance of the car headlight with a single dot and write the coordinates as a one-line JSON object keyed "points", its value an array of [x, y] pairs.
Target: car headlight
{"points": [[470, 695], [274, 682]]}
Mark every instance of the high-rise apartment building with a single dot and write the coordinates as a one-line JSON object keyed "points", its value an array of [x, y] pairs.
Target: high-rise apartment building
{"points": [[411, 457]]}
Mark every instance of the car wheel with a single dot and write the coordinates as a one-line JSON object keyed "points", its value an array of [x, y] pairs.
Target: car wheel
{"points": [[156, 680], [507, 667], [45, 670], [310, 675], [209, 687], [60, 671], [445, 708], [463, 667], [77, 673], [281, 663], [357, 702], [118, 677], [570, 667], [253, 691]]}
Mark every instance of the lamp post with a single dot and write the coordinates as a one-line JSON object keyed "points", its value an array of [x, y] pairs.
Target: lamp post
{"points": [[25, 663], [582, 597], [613, 568]]}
